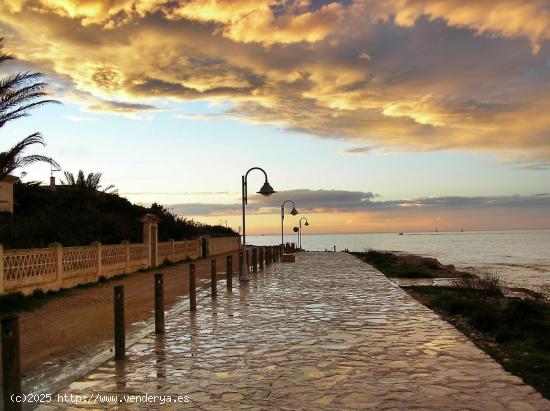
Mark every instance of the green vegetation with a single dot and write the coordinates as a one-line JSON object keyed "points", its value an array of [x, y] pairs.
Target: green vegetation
{"points": [[515, 332], [79, 217], [407, 266]]}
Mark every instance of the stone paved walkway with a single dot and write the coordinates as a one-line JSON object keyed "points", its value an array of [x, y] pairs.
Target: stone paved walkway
{"points": [[328, 332]]}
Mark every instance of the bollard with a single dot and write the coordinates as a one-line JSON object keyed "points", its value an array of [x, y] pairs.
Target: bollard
{"points": [[262, 256], [254, 260], [11, 362], [240, 264], [229, 272], [267, 256], [192, 288], [248, 260], [213, 279], [334, 248], [159, 304], [120, 343]]}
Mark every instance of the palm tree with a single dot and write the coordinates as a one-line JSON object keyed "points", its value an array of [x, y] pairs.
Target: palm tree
{"points": [[19, 93], [13, 159], [89, 182]]}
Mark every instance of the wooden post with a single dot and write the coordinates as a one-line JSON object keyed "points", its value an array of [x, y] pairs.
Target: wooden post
{"points": [[213, 278], [247, 257], [192, 288], [334, 248], [120, 342], [11, 362], [2, 289], [262, 256], [240, 264], [254, 260], [159, 304], [229, 272]]}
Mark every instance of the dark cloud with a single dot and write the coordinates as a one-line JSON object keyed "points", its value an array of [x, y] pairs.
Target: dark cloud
{"points": [[318, 201], [120, 107]]}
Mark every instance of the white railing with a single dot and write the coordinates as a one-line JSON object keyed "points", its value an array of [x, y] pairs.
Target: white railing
{"points": [[57, 267]]}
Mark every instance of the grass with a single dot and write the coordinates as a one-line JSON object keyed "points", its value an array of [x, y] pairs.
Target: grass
{"points": [[409, 266], [515, 332]]}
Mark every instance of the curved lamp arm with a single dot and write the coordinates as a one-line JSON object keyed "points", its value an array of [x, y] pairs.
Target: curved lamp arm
{"points": [[245, 182], [283, 207], [300, 221]]}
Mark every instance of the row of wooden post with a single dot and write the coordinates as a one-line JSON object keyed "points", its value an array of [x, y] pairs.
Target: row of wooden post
{"points": [[11, 359], [266, 255]]}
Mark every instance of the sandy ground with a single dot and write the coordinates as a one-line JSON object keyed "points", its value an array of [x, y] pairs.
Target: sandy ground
{"points": [[84, 317]]}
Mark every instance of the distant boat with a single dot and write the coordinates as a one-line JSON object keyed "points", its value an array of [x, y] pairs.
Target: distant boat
{"points": [[400, 233], [461, 230], [436, 230]]}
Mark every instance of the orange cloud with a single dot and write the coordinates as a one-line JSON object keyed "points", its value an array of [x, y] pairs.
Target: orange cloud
{"points": [[409, 75], [512, 18]]}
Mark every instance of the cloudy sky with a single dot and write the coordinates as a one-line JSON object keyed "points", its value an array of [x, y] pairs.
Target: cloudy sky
{"points": [[385, 115]]}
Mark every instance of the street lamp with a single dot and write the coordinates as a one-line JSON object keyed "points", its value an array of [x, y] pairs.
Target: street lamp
{"points": [[300, 231], [266, 191], [293, 212]]}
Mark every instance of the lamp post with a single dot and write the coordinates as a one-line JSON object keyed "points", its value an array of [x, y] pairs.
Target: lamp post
{"points": [[293, 212], [266, 191], [300, 231]]}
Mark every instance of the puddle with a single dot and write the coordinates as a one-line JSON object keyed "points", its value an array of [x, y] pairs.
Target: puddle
{"points": [[440, 282]]}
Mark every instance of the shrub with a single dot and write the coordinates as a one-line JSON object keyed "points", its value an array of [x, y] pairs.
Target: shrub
{"points": [[485, 284]]}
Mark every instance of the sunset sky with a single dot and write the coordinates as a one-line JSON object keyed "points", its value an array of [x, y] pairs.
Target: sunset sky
{"points": [[383, 115]]}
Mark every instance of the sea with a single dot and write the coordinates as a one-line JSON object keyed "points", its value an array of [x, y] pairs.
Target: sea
{"points": [[520, 257]]}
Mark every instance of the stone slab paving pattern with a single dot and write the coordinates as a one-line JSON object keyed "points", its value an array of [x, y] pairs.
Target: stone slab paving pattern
{"points": [[328, 332]]}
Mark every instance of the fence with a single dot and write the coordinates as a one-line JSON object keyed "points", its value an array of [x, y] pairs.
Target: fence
{"points": [[59, 267]]}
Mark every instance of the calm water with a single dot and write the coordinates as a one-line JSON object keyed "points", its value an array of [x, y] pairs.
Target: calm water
{"points": [[522, 258]]}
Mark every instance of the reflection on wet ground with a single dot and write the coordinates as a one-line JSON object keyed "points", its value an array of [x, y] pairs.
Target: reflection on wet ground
{"points": [[441, 282], [328, 332]]}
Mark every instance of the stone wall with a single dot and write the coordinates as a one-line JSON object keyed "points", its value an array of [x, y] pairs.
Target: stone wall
{"points": [[222, 245]]}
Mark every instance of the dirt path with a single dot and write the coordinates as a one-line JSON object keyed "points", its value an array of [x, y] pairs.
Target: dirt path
{"points": [[84, 317]]}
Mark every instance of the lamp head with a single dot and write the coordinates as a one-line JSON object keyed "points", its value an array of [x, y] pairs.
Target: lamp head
{"points": [[266, 190], [294, 211], [306, 224]]}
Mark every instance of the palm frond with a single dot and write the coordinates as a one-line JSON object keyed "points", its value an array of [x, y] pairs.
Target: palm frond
{"points": [[13, 158]]}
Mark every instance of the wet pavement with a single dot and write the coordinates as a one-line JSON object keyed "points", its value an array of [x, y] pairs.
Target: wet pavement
{"points": [[328, 332]]}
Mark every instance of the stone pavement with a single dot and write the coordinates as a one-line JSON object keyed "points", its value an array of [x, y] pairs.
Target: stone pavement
{"points": [[328, 332]]}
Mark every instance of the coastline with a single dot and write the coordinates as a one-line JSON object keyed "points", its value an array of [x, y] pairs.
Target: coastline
{"points": [[511, 325]]}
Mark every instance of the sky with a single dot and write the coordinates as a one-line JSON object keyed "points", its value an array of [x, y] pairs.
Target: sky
{"points": [[382, 115]]}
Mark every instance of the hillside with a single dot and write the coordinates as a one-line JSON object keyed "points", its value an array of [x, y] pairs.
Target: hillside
{"points": [[74, 216]]}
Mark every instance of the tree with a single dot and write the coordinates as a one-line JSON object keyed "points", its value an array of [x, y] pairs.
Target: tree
{"points": [[13, 159], [19, 93], [90, 182]]}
